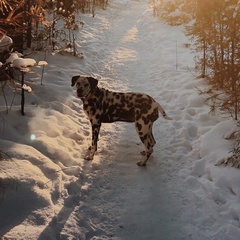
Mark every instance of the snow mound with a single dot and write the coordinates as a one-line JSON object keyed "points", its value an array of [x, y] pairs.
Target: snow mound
{"points": [[24, 62]]}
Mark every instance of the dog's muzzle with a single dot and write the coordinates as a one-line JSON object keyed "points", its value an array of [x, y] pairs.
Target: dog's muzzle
{"points": [[79, 92]]}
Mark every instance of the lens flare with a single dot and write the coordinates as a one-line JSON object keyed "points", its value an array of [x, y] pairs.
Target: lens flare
{"points": [[33, 137]]}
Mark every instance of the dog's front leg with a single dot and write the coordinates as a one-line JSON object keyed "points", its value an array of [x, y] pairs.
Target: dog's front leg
{"points": [[95, 132]]}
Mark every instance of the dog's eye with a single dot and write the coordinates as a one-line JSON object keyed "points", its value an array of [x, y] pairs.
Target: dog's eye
{"points": [[85, 85]]}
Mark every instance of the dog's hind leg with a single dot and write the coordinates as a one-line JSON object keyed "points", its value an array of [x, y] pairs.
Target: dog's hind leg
{"points": [[148, 149], [146, 136], [152, 141]]}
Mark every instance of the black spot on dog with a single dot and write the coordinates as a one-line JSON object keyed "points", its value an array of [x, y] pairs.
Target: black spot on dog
{"points": [[139, 126], [93, 111], [143, 138], [146, 120], [154, 115]]}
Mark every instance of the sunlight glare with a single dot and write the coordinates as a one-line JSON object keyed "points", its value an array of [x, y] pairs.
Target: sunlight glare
{"points": [[33, 137]]}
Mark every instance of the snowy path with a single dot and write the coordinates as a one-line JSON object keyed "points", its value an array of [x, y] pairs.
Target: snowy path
{"points": [[148, 202], [123, 200]]}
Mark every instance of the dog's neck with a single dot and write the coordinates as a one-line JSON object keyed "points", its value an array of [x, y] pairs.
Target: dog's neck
{"points": [[94, 92]]}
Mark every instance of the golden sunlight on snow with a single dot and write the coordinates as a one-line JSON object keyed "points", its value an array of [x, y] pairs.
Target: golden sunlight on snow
{"points": [[131, 35], [124, 55]]}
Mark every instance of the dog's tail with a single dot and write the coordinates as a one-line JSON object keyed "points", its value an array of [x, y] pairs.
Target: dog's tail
{"points": [[161, 110]]}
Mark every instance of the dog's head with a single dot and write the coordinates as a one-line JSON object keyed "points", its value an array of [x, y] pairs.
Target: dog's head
{"points": [[84, 85]]}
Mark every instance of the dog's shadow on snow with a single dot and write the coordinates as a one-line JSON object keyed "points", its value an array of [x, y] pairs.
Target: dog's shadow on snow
{"points": [[54, 228]]}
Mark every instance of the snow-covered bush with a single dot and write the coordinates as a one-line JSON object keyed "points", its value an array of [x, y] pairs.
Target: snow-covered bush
{"points": [[16, 63], [234, 158]]}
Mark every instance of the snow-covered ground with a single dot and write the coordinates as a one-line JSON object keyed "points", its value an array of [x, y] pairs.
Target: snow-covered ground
{"points": [[51, 192]]}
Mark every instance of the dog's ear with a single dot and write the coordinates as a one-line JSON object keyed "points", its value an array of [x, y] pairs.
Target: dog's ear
{"points": [[74, 79], [93, 82]]}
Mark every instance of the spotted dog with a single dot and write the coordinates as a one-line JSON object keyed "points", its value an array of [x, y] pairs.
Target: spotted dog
{"points": [[105, 106]]}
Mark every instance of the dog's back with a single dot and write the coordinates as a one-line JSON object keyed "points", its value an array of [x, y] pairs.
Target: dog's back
{"points": [[119, 106]]}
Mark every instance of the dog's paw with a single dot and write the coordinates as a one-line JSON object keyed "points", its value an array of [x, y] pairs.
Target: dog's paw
{"points": [[88, 158], [141, 163]]}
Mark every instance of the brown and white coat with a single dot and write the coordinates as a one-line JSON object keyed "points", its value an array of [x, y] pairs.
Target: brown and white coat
{"points": [[105, 106]]}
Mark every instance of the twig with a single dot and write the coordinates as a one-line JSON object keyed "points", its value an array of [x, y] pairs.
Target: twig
{"points": [[2, 152], [45, 56], [3, 123], [5, 99], [23, 95], [56, 171], [176, 55], [191, 72], [1, 158]]}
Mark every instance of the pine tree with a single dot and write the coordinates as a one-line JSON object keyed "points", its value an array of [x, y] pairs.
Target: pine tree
{"points": [[216, 31]]}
